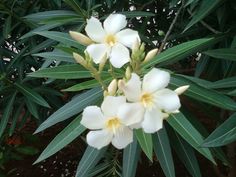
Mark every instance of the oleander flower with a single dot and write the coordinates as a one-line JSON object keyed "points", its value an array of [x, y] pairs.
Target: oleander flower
{"points": [[157, 100], [111, 39], [111, 122]]}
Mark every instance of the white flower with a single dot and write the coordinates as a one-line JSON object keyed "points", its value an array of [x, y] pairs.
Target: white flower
{"points": [[111, 122], [157, 100], [110, 39]]}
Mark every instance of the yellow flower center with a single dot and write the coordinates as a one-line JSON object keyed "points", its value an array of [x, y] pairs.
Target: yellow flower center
{"points": [[147, 100], [113, 123], [110, 39]]}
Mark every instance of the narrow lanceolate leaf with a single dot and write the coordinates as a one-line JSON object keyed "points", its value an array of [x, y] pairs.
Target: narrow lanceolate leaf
{"points": [[130, 159], [180, 51], [224, 83], [181, 125], [72, 108], [66, 136], [56, 55], [224, 134], [31, 106], [185, 153], [86, 85], [132, 14], [206, 7], [203, 94], [6, 113], [226, 54], [145, 141], [41, 28], [62, 38], [40, 16], [90, 158], [31, 95], [163, 152], [74, 71]]}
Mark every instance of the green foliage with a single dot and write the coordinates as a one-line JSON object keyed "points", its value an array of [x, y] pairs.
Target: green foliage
{"points": [[200, 51]]}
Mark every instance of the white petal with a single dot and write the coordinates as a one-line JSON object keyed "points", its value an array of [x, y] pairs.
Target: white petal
{"points": [[114, 23], [153, 121], [131, 89], [155, 79], [168, 100], [131, 113], [119, 55], [95, 30], [122, 137], [97, 52], [93, 118], [111, 105], [128, 37], [99, 139]]}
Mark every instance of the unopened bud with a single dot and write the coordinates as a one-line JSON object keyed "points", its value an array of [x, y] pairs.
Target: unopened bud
{"points": [[79, 59], [161, 33], [150, 55], [105, 93], [102, 63], [175, 112], [181, 89], [112, 88], [121, 85], [81, 38], [136, 45], [128, 73], [142, 47]]}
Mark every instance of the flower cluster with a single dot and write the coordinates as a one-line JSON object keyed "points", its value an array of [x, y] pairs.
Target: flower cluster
{"points": [[130, 102]]}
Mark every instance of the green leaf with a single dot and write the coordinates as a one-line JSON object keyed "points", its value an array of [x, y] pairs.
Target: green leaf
{"points": [[7, 113], [40, 16], [130, 159], [145, 141], [163, 152], [45, 44], [72, 108], [41, 28], [32, 108], [224, 134], [17, 114], [86, 85], [74, 4], [61, 37], [227, 54], [7, 27], [27, 150], [31, 94], [66, 136], [180, 51], [185, 153], [206, 7], [71, 71], [224, 83], [203, 94], [90, 158], [56, 55], [132, 14], [180, 124]]}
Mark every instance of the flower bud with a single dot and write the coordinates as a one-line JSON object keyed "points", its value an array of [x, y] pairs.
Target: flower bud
{"points": [[181, 89], [82, 39], [161, 33], [176, 112], [121, 84], [112, 88], [136, 45], [79, 59], [128, 73], [105, 93], [102, 63], [150, 55]]}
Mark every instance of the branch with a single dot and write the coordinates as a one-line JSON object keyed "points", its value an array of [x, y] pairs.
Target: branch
{"points": [[170, 29]]}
